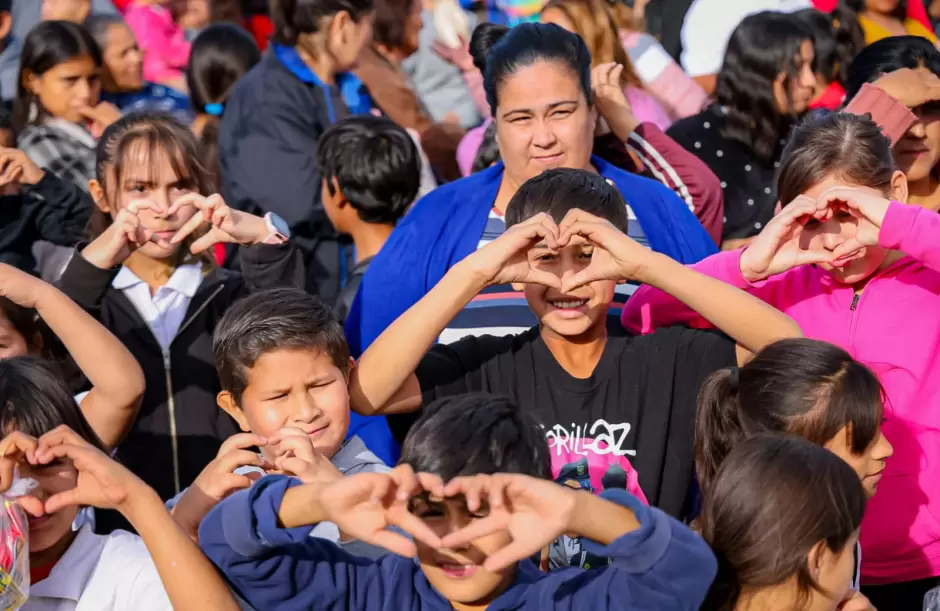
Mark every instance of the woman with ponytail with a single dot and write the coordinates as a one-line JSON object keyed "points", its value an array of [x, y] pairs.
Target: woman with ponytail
{"points": [[782, 518]]}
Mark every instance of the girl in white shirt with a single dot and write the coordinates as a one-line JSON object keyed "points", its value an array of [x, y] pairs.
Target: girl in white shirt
{"points": [[50, 442]]}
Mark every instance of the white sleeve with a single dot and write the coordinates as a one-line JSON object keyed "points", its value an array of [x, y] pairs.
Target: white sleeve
{"points": [[705, 34], [140, 587]]}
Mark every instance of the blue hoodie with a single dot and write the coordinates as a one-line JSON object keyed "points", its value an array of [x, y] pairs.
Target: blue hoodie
{"points": [[661, 566], [445, 226]]}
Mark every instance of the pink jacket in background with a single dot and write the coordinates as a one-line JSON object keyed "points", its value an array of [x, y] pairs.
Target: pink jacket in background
{"points": [[166, 51], [894, 328], [662, 77]]}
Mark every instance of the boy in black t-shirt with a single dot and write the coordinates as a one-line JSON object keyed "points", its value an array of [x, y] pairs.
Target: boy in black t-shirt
{"points": [[371, 172], [617, 411]]}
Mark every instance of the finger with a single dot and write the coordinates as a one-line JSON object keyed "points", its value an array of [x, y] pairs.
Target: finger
{"points": [[395, 543], [7, 473], [414, 526], [232, 482], [846, 250], [380, 487], [475, 529], [61, 435], [613, 74], [206, 242], [144, 204], [68, 498], [509, 555], [459, 485], [579, 279], [242, 441], [432, 483], [842, 195], [188, 227], [537, 276], [187, 199], [813, 257], [406, 482], [239, 458]]}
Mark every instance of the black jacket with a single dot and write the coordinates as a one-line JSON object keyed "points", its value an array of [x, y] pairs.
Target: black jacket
{"points": [[53, 210], [180, 427], [267, 154]]}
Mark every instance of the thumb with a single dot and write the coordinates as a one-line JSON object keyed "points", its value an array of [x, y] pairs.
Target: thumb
{"points": [[537, 276], [214, 236], [576, 281], [846, 249]]}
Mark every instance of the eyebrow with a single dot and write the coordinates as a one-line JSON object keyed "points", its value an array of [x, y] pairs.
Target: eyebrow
{"points": [[551, 106]]}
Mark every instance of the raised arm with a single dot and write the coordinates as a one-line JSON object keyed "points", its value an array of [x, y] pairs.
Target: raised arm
{"points": [[749, 321], [383, 381], [117, 379]]}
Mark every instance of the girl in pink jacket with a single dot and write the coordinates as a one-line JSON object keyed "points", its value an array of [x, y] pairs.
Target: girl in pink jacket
{"points": [[166, 50], [862, 272]]}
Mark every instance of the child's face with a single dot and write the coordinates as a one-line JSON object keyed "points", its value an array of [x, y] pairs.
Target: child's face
{"points": [[12, 343], [458, 574], [582, 310], [151, 178], [75, 11], [64, 90], [917, 153], [870, 464], [831, 233], [297, 388], [347, 38], [45, 531]]}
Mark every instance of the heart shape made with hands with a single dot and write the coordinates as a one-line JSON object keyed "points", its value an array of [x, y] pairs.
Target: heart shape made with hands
{"points": [[534, 512]]}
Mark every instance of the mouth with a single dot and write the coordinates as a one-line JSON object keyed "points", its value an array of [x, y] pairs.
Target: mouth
{"points": [[875, 476], [569, 306], [37, 523], [164, 235], [458, 571], [549, 159], [314, 433]]}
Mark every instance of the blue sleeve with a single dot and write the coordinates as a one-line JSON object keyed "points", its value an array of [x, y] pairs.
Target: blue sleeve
{"points": [[689, 241], [270, 566], [661, 565]]}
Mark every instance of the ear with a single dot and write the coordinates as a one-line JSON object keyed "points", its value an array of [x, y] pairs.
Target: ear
{"points": [[337, 29], [226, 401], [30, 81], [352, 365], [341, 202], [816, 557], [899, 188], [6, 24], [97, 193]]}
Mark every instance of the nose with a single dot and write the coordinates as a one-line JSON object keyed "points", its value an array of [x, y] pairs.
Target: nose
{"points": [[830, 232], [306, 409], [886, 449], [918, 129], [542, 135], [82, 91], [808, 78]]}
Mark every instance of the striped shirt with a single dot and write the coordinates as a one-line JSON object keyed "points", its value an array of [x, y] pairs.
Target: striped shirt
{"points": [[501, 310]]}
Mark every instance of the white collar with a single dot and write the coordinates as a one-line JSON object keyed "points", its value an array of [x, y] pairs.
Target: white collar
{"points": [[185, 279], [72, 572], [76, 132]]}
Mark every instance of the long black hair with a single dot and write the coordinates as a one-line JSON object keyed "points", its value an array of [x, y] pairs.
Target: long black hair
{"points": [[761, 48], [220, 56], [890, 54], [499, 51], [294, 18], [48, 45]]}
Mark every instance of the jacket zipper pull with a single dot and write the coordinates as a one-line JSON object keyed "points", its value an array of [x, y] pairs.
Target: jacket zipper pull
{"points": [[855, 301]]}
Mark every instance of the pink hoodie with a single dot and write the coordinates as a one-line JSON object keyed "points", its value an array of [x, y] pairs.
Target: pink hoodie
{"points": [[893, 326]]}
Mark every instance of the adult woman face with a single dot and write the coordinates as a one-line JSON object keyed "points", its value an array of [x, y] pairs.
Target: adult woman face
{"points": [[543, 121], [123, 60]]}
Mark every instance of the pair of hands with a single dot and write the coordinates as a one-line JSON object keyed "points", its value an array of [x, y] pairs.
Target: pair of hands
{"points": [[101, 482], [533, 511], [781, 245], [505, 260], [126, 233], [294, 455]]}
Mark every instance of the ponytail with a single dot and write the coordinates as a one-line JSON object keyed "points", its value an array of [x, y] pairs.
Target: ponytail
{"points": [[718, 426]]}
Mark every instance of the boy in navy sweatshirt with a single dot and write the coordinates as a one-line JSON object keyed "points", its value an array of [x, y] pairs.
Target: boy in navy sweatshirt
{"points": [[473, 491]]}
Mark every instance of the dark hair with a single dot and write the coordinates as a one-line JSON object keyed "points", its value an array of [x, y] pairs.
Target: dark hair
{"points": [[48, 45], [559, 190], [900, 11], [24, 321], [157, 133], [221, 54], [375, 163], [499, 52], [802, 387], [888, 55], [6, 121], [850, 146], [5, 6], [276, 319], [762, 47], [34, 400], [474, 434], [488, 153], [390, 22], [294, 18], [772, 502], [837, 38], [98, 25]]}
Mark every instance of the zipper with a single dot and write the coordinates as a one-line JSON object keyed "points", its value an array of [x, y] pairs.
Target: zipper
{"points": [[855, 301], [171, 402]]}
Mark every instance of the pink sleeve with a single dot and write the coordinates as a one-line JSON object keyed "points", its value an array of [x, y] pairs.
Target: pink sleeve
{"points": [[164, 45], [649, 308], [474, 80], [682, 96], [682, 172], [469, 146], [912, 230], [646, 109]]}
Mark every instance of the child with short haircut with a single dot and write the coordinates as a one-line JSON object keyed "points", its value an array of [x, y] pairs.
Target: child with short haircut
{"points": [[473, 491], [371, 173], [283, 364], [618, 411]]}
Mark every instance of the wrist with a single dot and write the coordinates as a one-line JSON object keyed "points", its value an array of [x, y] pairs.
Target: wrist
{"points": [[300, 506], [98, 256], [652, 268], [746, 270], [622, 123], [140, 500], [472, 276], [33, 178]]}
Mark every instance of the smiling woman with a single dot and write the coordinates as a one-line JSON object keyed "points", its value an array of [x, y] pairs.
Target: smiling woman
{"points": [[537, 79]]}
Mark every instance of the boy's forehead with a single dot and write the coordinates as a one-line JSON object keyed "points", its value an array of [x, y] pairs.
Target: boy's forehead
{"points": [[284, 366]]}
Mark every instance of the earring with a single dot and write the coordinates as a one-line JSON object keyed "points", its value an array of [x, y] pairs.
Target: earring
{"points": [[33, 111]]}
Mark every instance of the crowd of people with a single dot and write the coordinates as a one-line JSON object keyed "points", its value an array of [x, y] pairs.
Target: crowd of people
{"points": [[491, 305]]}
